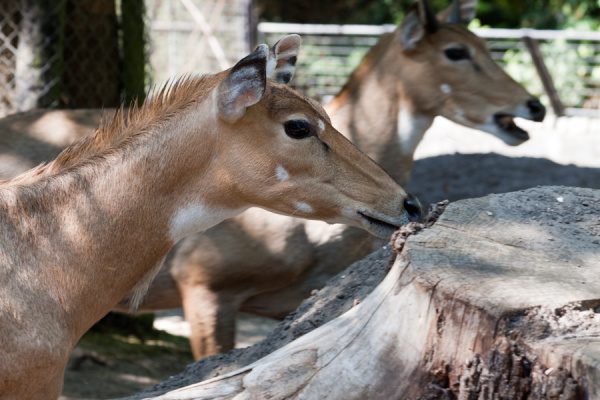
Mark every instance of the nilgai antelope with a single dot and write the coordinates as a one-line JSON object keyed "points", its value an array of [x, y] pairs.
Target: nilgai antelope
{"points": [[267, 264], [79, 233], [428, 67]]}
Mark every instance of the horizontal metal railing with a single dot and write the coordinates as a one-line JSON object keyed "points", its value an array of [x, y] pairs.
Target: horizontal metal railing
{"points": [[560, 66]]}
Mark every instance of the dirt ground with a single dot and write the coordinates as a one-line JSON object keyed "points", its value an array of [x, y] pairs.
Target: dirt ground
{"points": [[116, 364], [565, 152]]}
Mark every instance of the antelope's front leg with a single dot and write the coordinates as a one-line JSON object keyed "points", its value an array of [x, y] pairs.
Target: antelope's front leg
{"points": [[212, 317]]}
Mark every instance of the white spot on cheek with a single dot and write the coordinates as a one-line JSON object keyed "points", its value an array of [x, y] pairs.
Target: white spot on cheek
{"points": [[445, 88], [282, 174], [196, 217], [301, 206], [321, 126]]}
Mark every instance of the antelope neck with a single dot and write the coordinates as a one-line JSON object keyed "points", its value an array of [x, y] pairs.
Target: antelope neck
{"points": [[103, 227], [382, 121]]}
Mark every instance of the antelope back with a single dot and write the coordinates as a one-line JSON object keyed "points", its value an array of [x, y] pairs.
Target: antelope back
{"points": [[444, 69]]}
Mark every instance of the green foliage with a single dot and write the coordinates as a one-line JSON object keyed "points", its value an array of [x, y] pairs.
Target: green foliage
{"points": [[121, 345], [568, 64], [338, 11], [538, 14], [124, 335]]}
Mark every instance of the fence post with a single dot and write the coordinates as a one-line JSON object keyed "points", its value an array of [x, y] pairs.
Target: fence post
{"points": [[538, 60], [91, 55], [252, 33], [134, 50], [34, 79]]}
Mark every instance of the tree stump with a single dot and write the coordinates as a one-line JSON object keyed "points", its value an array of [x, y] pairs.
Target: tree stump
{"points": [[498, 299]]}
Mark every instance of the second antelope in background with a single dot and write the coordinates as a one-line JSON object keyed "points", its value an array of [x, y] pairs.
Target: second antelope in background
{"points": [[429, 66], [267, 264]]}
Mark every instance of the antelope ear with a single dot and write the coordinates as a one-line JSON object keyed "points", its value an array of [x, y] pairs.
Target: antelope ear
{"points": [[459, 12], [411, 29], [244, 85], [282, 59]]}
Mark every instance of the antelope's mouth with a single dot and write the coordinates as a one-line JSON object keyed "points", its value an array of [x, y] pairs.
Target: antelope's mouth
{"points": [[506, 124], [376, 226]]}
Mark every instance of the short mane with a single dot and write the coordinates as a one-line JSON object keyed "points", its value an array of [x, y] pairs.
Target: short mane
{"points": [[160, 105]]}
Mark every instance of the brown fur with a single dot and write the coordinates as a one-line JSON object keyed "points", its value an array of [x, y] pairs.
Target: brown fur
{"points": [[78, 234], [128, 124]]}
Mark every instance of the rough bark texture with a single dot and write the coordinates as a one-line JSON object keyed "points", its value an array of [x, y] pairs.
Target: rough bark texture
{"points": [[498, 300]]}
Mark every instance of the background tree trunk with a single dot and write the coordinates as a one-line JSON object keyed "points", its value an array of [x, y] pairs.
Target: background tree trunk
{"points": [[76, 54], [38, 23], [498, 300], [134, 50], [91, 55]]}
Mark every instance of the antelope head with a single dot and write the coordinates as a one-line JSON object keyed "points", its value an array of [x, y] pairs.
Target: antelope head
{"points": [[453, 74], [277, 150]]}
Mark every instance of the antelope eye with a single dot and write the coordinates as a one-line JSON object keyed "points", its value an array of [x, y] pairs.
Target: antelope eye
{"points": [[457, 54], [297, 128]]}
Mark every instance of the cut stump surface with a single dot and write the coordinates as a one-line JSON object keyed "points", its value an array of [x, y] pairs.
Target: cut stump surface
{"points": [[497, 300]]}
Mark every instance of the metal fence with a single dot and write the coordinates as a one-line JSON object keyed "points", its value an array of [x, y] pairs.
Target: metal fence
{"points": [[96, 53], [69, 53], [561, 67], [87, 53], [198, 36]]}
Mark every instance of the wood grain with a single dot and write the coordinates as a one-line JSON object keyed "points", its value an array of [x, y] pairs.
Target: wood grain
{"points": [[498, 299]]}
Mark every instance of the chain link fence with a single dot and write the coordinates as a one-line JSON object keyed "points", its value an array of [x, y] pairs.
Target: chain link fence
{"points": [[328, 55], [69, 53], [571, 60], [9, 31], [97, 53], [198, 37]]}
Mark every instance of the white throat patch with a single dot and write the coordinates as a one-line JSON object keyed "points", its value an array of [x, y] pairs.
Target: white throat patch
{"points": [[196, 217], [411, 130]]}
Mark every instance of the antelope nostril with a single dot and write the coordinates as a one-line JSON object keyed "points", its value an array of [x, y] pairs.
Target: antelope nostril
{"points": [[413, 207], [537, 109]]}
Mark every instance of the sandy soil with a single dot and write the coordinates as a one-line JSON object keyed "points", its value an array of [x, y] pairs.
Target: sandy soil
{"points": [[564, 152]]}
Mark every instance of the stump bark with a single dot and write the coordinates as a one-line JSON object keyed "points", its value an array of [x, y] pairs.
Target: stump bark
{"points": [[499, 299]]}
